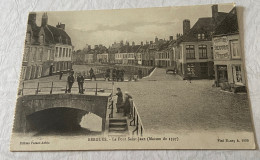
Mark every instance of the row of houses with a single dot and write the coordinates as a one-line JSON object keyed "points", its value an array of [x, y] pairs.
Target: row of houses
{"points": [[210, 49], [48, 49]]}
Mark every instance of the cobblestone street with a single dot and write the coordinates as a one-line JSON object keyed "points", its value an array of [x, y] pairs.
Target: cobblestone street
{"points": [[167, 104]]}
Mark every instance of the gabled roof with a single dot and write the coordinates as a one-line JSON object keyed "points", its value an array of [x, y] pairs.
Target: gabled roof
{"points": [[129, 49], [165, 46], [229, 25], [204, 25], [143, 48]]}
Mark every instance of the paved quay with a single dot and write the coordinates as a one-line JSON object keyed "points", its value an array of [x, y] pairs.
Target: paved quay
{"points": [[167, 104]]}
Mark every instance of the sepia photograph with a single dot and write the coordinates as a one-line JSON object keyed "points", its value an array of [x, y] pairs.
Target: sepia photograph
{"points": [[129, 79]]}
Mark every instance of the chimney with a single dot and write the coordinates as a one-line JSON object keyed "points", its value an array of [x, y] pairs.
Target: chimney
{"points": [[133, 43], [96, 46], [32, 18], [178, 35], [171, 38], [142, 43], [61, 26], [151, 42], [89, 47], [186, 26], [156, 39], [44, 19], [147, 42], [214, 9]]}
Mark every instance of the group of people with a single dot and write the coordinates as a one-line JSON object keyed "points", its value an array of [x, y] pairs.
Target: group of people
{"points": [[80, 80], [119, 75], [71, 79], [121, 104]]}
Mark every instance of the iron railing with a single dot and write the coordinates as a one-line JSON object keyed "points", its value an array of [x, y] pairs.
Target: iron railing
{"points": [[136, 121], [50, 87]]}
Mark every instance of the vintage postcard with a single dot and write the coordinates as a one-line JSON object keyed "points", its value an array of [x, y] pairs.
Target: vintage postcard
{"points": [[151, 78]]}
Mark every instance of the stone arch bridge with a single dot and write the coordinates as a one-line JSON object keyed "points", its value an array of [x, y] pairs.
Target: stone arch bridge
{"points": [[29, 104]]}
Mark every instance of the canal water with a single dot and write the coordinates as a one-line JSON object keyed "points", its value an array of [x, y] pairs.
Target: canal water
{"points": [[64, 122]]}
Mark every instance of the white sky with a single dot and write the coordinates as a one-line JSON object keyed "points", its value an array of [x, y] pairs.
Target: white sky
{"points": [[106, 26]]}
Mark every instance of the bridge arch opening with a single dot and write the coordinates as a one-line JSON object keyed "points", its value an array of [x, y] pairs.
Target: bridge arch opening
{"points": [[63, 121]]}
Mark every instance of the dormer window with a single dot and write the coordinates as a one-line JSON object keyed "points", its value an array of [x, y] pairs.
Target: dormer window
{"points": [[41, 39], [201, 36], [60, 40]]}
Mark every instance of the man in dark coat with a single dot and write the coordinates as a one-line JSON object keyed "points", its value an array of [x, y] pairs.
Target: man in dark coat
{"points": [[91, 73], [119, 102], [61, 73], [127, 105], [140, 75], [107, 75], [70, 82], [80, 80]]}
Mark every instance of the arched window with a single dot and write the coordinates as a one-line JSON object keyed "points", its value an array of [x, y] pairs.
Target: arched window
{"points": [[41, 39]]}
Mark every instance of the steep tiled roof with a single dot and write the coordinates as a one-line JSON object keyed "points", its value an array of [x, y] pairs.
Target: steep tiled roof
{"points": [[203, 25], [53, 34], [229, 25], [129, 49], [165, 45], [143, 48]]}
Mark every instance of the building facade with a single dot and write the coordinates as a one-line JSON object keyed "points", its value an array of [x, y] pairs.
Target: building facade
{"points": [[43, 46], [228, 59], [194, 49]]}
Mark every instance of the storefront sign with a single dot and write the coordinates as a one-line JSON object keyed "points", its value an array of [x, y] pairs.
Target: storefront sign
{"points": [[221, 48]]}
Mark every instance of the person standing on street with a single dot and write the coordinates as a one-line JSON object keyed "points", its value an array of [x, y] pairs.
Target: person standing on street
{"points": [[140, 75], [70, 82], [80, 80], [119, 102], [127, 105], [72, 71], [91, 73], [61, 73]]}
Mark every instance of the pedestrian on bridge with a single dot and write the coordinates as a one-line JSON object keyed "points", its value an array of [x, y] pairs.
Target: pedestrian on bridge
{"points": [[80, 80], [71, 80]]}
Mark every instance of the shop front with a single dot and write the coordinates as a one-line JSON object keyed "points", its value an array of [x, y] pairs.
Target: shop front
{"points": [[222, 74]]}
